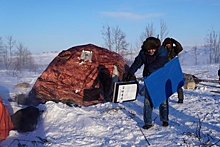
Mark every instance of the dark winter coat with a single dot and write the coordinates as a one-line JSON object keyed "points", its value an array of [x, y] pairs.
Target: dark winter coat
{"points": [[174, 51], [151, 62], [25, 120], [219, 72]]}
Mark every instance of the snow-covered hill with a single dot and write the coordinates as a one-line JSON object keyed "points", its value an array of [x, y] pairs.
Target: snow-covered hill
{"points": [[193, 123]]}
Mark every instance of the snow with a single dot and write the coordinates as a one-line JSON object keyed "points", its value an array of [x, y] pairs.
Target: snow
{"points": [[109, 124]]}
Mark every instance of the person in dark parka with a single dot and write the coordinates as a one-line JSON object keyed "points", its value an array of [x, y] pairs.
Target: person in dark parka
{"points": [[219, 76], [173, 51], [153, 56]]}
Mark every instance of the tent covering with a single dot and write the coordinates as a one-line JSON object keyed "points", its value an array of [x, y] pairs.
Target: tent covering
{"points": [[80, 75]]}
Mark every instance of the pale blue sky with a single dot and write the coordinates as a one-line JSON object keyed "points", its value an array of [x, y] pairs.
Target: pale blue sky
{"points": [[54, 25]]}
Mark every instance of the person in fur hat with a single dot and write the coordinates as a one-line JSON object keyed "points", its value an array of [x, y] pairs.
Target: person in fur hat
{"points": [[153, 56], [174, 48]]}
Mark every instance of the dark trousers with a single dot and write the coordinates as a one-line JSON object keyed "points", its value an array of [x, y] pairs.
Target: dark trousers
{"points": [[180, 94], [148, 108]]}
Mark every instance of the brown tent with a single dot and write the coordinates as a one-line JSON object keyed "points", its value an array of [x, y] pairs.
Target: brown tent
{"points": [[80, 75]]}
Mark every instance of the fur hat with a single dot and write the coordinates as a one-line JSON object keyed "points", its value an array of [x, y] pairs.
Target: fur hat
{"points": [[151, 43], [167, 41]]}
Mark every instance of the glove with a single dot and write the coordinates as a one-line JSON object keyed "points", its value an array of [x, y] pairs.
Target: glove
{"points": [[146, 72], [128, 77]]}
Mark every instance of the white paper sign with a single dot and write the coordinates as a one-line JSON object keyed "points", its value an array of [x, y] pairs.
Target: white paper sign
{"points": [[125, 91]]}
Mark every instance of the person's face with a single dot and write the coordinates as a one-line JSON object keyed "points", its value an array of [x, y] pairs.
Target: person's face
{"points": [[151, 51], [168, 45]]}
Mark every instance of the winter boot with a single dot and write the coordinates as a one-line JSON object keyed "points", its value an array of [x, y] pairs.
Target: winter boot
{"points": [[165, 124], [147, 126], [180, 101]]}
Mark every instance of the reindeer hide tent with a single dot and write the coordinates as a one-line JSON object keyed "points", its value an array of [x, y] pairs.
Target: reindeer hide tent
{"points": [[81, 75]]}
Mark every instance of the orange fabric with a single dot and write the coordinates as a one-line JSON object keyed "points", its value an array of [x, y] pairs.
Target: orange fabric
{"points": [[6, 124]]}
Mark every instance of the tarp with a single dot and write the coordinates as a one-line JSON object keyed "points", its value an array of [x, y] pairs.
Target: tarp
{"points": [[162, 83], [6, 124]]}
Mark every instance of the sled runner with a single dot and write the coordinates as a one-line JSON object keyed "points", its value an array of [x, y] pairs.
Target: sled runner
{"points": [[215, 91], [206, 80]]}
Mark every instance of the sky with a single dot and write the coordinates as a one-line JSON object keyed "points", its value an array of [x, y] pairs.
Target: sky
{"points": [[55, 25]]}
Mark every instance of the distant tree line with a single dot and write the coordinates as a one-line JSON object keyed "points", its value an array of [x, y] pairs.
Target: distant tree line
{"points": [[15, 57], [213, 45], [115, 40]]}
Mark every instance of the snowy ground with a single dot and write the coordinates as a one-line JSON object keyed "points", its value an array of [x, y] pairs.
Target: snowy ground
{"points": [[196, 122]]}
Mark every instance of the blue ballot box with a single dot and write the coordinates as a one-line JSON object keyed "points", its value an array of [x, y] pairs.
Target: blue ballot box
{"points": [[162, 83]]}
